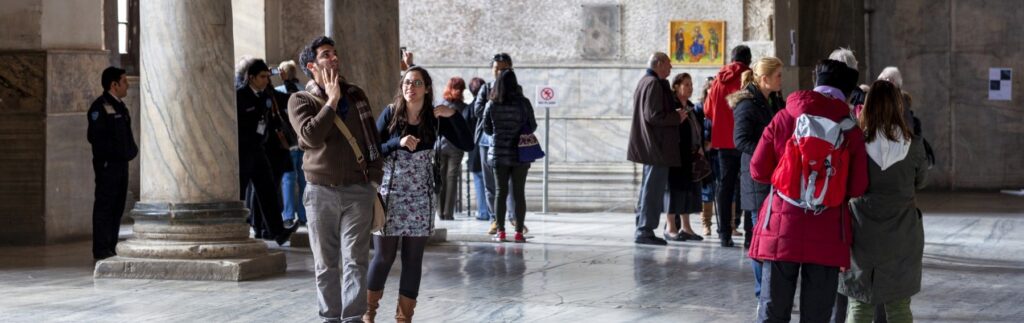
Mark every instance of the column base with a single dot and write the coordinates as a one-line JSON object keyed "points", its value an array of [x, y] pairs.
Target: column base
{"points": [[191, 241], [271, 263]]}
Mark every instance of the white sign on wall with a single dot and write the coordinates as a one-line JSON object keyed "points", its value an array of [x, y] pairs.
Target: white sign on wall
{"points": [[547, 96], [1000, 84]]}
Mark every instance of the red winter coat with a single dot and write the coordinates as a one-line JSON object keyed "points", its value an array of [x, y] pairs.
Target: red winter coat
{"points": [[792, 234], [716, 107]]}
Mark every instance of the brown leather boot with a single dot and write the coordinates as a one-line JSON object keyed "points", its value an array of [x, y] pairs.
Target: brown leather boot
{"points": [[705, 217], [406, 305], [372, 303]]}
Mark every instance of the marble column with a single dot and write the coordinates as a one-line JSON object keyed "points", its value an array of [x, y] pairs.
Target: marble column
{"points": [[189, 223], [366, 37]]}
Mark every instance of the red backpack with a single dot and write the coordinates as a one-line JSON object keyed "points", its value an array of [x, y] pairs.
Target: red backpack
{"points": [[814, 168]]}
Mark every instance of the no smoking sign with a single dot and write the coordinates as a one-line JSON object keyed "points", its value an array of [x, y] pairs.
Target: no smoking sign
{"points": [[547, 96]]}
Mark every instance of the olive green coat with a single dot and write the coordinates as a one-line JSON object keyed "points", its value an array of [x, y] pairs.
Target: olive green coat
{"points": [[888, 238]]}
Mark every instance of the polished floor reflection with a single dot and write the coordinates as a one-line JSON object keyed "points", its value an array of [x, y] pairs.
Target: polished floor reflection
{"points": [[575, 268]]}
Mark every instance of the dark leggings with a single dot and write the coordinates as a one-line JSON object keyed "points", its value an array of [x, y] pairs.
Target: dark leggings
{"points": [[384, 251], [518, 176]]}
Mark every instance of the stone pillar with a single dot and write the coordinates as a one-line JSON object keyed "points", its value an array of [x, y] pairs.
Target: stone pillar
{"points": [[366, 38], [189, 223]]}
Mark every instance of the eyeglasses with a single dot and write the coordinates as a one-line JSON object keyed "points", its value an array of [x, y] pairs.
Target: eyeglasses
{"points": [[413, 83]]}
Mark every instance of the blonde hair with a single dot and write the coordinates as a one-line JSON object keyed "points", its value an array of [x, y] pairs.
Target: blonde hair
{"points": [[764, 66]]}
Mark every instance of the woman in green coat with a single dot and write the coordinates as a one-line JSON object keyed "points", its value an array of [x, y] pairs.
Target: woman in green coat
{"points": [[888, 238]]}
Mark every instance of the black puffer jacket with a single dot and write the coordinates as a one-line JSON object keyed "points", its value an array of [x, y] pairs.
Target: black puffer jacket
{"points": [[752, 112], [505, 122]]}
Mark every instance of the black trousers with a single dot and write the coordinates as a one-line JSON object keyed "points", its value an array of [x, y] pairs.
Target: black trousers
{"points": [[728, 190], [265, 201], [108, 206], [517, 176], [778, 286]]}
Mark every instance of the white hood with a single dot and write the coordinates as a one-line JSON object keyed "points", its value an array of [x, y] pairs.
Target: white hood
{"points": [[885, 153]]}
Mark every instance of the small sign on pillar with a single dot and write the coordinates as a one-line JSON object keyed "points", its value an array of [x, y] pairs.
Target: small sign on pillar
{"points": [[1000, 82]]}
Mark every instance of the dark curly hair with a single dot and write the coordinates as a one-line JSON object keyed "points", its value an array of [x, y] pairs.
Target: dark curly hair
{"points": [[308, 53]]}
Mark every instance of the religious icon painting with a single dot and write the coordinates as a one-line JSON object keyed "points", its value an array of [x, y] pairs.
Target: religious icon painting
{"points": [[696, 43]]}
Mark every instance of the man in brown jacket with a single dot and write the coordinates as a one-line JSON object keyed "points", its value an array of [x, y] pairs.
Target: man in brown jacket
{"points": [[654, 142], [340, 192]]}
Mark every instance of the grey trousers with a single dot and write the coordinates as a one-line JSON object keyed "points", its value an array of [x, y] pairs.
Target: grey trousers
{"points": [[490, 184], [339, 236], [652, 199], [451, 166]]}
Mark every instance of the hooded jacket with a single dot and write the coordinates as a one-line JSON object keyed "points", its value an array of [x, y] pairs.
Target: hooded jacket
{"points": [[716, 107], [793, 234], [753, 112], [888, 235]]}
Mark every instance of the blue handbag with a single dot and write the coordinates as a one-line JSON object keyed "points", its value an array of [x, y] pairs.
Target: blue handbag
{"points": [[529, 146]]}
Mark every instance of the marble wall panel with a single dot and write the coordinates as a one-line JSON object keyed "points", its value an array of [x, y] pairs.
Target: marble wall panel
{"points": [[69, 178], [22, 136], [73, 80], [72, 24], [597, 140], [21, 24], [546, 32]]}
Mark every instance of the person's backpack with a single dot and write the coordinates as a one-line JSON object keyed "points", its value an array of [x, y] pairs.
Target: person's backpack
{"points": [[814, 167]]}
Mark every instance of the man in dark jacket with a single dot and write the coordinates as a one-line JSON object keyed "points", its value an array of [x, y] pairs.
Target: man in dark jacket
{"points": [[654, 142], [254, 126], [113, 146]]}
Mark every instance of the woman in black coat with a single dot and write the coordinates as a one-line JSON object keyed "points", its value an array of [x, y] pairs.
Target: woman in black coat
{"points": [[507, 115], [683, 194], [754, 106]]}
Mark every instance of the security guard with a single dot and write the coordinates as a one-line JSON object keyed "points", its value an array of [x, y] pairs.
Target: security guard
{"points": [[113, 146], [254, 127]]}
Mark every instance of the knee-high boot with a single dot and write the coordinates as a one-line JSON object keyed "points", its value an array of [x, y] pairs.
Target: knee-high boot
{"points": [[405, 309], [372, 303]]}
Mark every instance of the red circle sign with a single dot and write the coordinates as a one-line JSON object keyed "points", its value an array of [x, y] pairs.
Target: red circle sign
{"points": [[547, 93]]}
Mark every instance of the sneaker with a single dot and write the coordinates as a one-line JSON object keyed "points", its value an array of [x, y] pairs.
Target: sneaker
{"points": [[494, 228], [652, 240], [500, 236], [520, 238]]}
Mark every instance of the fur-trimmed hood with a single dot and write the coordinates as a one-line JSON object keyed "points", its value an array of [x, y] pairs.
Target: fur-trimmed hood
{"points": [[735, 98]]}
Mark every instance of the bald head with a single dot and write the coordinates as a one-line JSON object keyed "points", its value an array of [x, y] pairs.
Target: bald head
{"points": [[660, 64]]}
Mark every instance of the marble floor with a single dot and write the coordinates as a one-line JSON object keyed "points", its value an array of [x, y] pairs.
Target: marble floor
{"points": [[576, 268]]}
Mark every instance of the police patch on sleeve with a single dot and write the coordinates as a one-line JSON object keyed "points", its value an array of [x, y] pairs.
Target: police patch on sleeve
{"points": [[94, 115]]}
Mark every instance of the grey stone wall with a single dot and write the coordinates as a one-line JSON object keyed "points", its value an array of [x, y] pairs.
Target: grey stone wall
{"points": [[457, 38], [944, 50]]}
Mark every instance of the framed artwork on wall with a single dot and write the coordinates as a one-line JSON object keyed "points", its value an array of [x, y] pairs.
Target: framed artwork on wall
{"points": [[696, 43]]}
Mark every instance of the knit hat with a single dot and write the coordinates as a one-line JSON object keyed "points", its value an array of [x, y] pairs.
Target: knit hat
{"points": [[836, 74], [741, 54]]}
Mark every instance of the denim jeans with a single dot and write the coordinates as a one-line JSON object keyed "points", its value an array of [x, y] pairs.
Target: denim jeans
{"points": [[482, 211], [652, 202], [293, 183]]}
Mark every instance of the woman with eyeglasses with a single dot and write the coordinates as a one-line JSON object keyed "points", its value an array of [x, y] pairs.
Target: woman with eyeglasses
{"points": [[507, 116], [408, 128]]}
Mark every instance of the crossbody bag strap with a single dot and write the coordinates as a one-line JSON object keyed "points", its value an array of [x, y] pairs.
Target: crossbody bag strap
{"points": [[360, 160]]}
